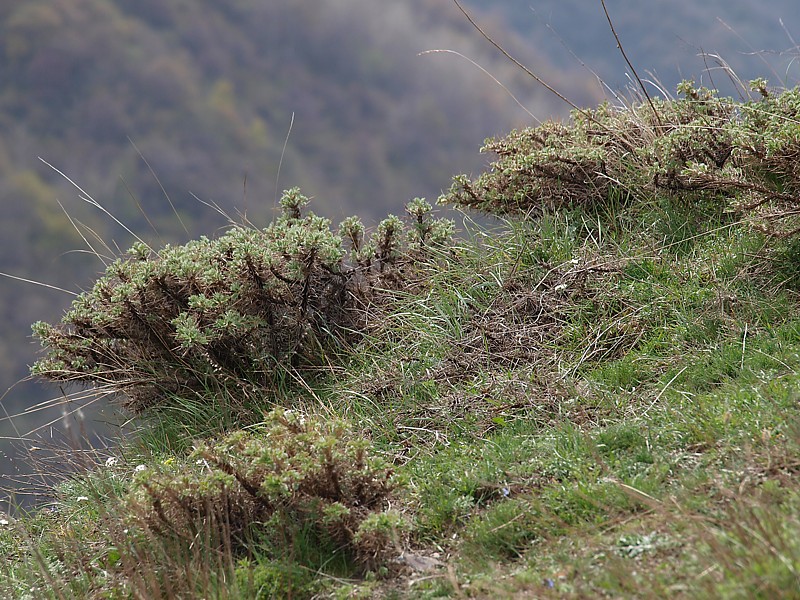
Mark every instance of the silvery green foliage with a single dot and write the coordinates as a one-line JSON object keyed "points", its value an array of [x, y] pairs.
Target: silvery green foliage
{"points": [[292, 473], [228, 314], [698, 146]]}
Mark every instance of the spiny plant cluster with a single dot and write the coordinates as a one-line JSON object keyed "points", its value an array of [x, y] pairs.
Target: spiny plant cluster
{"points": [[289, 477], [744, 154], [231, 314]]}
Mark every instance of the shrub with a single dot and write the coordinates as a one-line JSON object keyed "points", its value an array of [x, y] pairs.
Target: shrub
{"points": [[227, 316], [292, 477], [743, 153]]}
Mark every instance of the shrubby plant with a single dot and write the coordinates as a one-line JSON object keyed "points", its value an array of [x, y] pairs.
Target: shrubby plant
{"points": [[744, 154], [227, 316], [292, 475]]}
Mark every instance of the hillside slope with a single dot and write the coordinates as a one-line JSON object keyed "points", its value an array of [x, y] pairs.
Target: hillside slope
{"points": [[594, 397], [208, 91]]}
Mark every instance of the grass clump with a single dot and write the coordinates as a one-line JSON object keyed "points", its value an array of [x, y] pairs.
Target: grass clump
{"points": [[758, 554]]}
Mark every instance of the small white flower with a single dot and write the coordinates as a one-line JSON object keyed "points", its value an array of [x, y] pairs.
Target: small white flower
{"points": [[140, 468], [3, 522], [111, 461], [82, 498]]}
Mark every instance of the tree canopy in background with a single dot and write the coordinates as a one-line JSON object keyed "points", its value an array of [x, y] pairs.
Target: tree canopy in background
{"points": [[205, 92], [667, 40]]}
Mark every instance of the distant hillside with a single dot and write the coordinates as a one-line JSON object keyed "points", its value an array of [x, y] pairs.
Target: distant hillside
{"points": [[665, 37]]}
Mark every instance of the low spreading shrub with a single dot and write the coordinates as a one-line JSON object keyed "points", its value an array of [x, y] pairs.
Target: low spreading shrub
{"points": [[744, 154], [293, 476], [227, 316]]}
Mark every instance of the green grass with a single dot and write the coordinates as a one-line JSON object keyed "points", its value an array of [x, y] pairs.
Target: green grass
{"points": [[597, 402]]}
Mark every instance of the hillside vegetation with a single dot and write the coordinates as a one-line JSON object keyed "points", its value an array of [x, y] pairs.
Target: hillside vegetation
{"points": [[208, 92], [596, 396]]}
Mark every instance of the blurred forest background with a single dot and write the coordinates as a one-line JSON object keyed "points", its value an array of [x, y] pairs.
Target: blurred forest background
{"points": [[205, 93]]}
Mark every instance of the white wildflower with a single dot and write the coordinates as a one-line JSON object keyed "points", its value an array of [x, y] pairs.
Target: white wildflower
{"points": [[111, 461], [82, 498]]}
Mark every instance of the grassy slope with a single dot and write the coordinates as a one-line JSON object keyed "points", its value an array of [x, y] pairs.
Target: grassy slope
{"points": [[599, 401], [207, 92]]}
